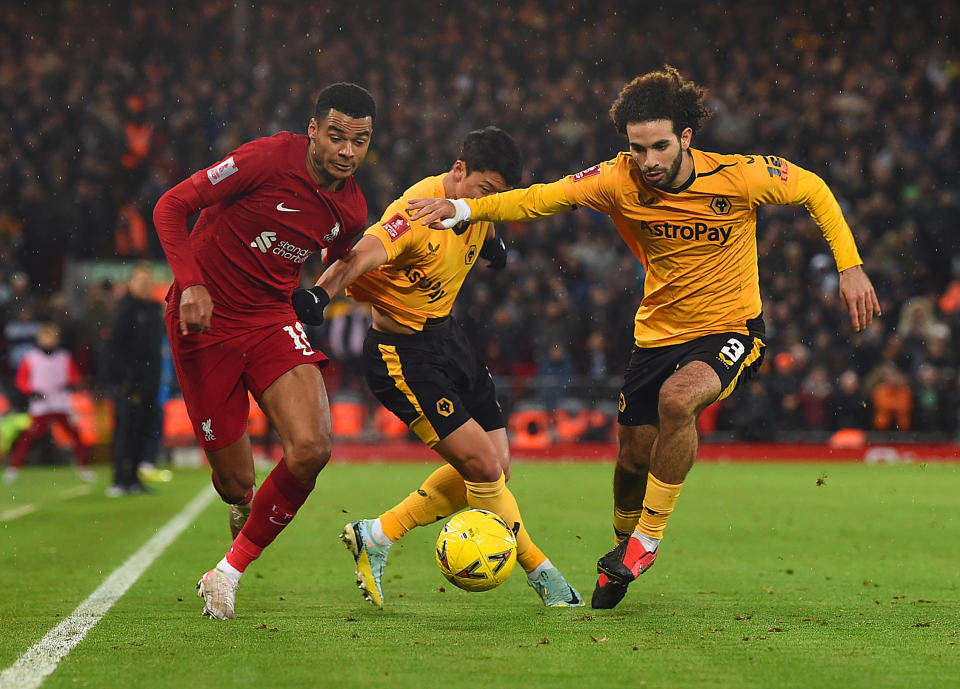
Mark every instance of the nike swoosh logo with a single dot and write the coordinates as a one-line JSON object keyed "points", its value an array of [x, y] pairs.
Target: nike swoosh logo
{"points": [[280, 207], [574, 598]]}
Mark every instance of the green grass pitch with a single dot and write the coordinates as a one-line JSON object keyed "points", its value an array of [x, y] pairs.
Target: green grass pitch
{"points": [[789, 575]]}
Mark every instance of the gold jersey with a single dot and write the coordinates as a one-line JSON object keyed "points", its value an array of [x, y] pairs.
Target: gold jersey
{"points": [[697, 243], [425, 268]]}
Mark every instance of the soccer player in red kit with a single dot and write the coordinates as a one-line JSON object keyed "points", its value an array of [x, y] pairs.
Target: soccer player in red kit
{"points": [[230, 312]]}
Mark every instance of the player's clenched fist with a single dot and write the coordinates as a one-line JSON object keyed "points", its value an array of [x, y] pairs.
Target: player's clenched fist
{"points": [[196, 309], [309, 304], [495, 252]]}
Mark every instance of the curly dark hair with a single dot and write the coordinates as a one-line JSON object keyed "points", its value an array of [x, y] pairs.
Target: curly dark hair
{"points": [[663, 95]]}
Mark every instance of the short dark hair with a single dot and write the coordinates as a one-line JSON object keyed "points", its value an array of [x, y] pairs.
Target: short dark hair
{"points": [[493, 149], [663, 95], [349, 99]]}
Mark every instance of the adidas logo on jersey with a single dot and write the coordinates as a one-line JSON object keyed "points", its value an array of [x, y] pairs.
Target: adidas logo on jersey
{"points": [[264, 241]]}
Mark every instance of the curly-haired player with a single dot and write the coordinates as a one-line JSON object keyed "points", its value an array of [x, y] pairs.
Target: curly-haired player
{"points": [[690, 217]]}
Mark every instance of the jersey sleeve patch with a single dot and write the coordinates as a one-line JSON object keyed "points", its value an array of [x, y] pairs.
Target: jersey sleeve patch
{"points": [[778, 167], [396, 226], [221, 171], [589, 172]]}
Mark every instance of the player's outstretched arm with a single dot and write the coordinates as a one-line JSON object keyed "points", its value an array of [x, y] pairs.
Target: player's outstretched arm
{"points": [[366, 255], [437, 214], [535, 201], [859, 297]]}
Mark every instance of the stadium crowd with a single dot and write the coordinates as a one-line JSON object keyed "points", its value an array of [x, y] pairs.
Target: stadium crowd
{"points": [[103, 108]]}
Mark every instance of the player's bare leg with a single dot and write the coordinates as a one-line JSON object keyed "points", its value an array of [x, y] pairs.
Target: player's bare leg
{"points": [[634, 449], [479, 460], [234, 478], [501, 448], [441, 495], [682, 397], [296, 405], [470, 451]]}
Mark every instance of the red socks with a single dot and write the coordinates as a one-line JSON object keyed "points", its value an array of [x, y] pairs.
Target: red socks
{"points": [[275, 504]]}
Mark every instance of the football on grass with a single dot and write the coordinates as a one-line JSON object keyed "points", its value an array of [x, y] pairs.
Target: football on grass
{"points": [[476, 550]]}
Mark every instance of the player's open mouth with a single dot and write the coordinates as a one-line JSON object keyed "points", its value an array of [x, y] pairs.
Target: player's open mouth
{"points": [[343, 168], [653, 176]]}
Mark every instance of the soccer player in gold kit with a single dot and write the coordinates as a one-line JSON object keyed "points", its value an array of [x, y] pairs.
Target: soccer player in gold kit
{"points": [[422, 367], [690, 217]]}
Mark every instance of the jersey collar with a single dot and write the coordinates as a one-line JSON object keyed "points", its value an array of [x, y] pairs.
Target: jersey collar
{"points": [[689, 180]]}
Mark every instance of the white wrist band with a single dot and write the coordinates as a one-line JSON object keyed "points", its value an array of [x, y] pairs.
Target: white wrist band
{"points": [[462, 213]]}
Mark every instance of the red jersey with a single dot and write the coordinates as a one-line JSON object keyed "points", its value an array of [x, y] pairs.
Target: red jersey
{"points": [[263, 215]]}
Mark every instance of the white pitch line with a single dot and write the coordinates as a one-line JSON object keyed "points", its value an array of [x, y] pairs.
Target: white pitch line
{"points": [[10, 515], [41, 659], [74, 492]]}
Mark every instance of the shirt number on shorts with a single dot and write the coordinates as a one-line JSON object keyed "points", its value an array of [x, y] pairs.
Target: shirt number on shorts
{"points": [[299, 336], [733, 350]]}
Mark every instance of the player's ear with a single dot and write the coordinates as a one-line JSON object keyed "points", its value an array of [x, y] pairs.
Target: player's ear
{"points": [[313, 127], [459, 171], [685, 137]]}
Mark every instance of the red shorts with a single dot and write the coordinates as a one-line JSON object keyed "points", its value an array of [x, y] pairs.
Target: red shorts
{"points": [[217, 368]]}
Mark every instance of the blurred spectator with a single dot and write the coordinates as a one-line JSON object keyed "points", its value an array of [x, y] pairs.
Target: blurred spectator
{"points": [[848, 408], [752, 414], [598, 366], [949, 302], [788, 415], [133, 375], [16, 295], [11, 228], [785, 379], [892, 400], [814, 399], [20, 335], [555, 371], [931, 400], [45, 375], [347, 327], [130, 233]]}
